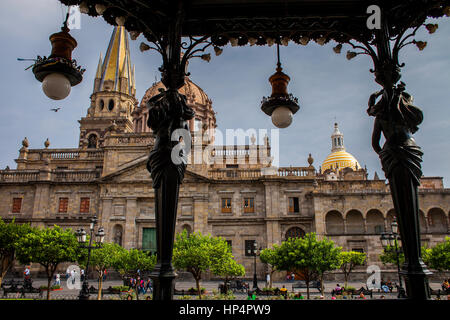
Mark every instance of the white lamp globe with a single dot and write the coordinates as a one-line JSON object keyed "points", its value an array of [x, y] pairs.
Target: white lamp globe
{"points": [[282, 117], [56, 86]]}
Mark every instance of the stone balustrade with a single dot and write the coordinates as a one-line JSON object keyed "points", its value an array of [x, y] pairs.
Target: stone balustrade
{"points": [[14, 176], [296, 172], [289, 172], [17, 176], [62, 154]]}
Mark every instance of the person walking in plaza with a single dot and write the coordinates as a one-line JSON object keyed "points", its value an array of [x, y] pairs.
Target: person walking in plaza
{"points": [[26, 273], [57, 280], [149, 285], [73, 274]]}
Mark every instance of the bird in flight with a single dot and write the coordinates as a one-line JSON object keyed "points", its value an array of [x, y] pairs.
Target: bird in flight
{"points": [[55, 109]]}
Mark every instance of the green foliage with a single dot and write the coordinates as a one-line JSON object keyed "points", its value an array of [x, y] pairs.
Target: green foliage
{"points": [[439, 256], [102, 258], [120, 288], [228, 269], [327, 256], [351, 259], [131, 262], [308, 256], [49, 247], [389, 256], [10, 233], [269, 256], [197, 253]]}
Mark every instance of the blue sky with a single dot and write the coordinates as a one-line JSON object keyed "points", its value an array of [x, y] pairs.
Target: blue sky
{"points": [[329, 88]]}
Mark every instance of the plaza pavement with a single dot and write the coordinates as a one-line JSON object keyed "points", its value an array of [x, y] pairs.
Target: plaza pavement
{"points": [[210, 286]]}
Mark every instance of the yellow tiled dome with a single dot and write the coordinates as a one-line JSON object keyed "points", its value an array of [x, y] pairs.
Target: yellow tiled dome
{"points": [[339, 158], [342, 159]]}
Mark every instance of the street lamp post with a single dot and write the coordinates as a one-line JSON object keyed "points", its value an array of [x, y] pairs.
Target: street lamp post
{"points": [[391, 239], [81, 237], [254, 252]]}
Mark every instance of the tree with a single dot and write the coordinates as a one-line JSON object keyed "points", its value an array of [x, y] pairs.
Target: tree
{"points": [[10, 233], [351, 259], [101, 259], [438, 257], [269, 256], [228, 269], [133, 263], [49, 247], [197, 253], [389, 256], [301, 255], [327, 257]]}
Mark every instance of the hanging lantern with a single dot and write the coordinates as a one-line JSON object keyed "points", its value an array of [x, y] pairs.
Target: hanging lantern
{"points": [[281, 105], [58, 73]]}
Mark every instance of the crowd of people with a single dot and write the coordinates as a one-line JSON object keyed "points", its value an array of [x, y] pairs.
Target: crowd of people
{"points": [[143, 286]]}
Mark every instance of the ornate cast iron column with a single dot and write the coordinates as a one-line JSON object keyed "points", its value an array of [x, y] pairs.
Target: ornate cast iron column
{"points": [[397, 118], [167, 112]]}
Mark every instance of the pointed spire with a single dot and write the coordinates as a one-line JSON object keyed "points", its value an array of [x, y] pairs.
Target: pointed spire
{"points": [[98, 74], [115, 72], [376, 177]]}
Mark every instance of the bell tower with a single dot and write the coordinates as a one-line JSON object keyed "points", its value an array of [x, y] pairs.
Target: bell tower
{"points": [[113, 98], [337, 140]]}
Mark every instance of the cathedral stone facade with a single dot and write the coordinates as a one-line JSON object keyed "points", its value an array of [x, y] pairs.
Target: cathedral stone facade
{"points": [[245, 200]]}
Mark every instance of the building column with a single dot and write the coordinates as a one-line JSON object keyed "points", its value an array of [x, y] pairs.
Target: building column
{"points": [[201, 214], [273, 233], [106, 211], [129, 236], [41, 203]]}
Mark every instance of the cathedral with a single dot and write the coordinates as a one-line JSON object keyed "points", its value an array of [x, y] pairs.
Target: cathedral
{"points": [[247, 201]]}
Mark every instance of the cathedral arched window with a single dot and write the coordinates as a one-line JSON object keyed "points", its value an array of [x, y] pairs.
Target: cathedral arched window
{"points": [[102, 104], [92, 141], [111, 105]]}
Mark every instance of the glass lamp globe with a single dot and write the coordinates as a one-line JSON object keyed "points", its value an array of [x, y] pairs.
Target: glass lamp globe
{"points": [[282, 117], [56, 86]]}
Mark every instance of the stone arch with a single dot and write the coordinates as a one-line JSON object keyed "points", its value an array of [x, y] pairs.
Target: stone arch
{"points": [[294, 232], [437, 221], [374, 221], [390, 215], [186, 227], [101, 104], [92, 141], [118, 234], [355, 222], [334, 222]]}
